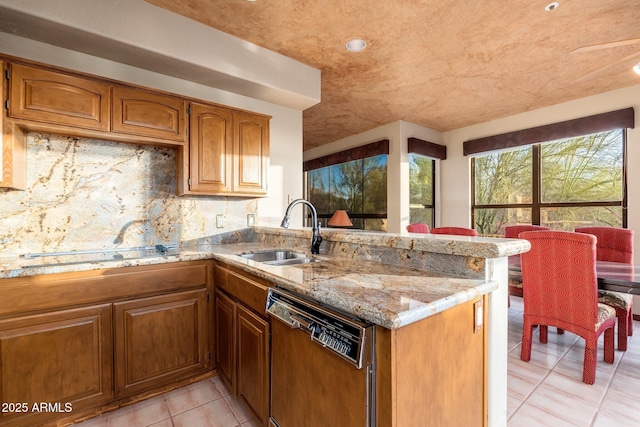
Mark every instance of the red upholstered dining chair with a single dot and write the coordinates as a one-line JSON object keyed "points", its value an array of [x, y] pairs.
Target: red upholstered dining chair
{"points": [[459, 231], [512, 232], [562, 291], [418, 227], [616, 245]]}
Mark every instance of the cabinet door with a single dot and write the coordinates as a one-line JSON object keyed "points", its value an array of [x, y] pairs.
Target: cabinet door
{"points": [[211, 152], [51, 97], [154, 115], [253, 362], [251, 157], [159, 339], [225, 336], [63, 357]]}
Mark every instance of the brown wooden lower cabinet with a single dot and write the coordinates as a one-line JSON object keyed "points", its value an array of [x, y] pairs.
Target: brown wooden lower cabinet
{"points": [[242, 339], [242, 354], [433, 372], [253, 362], [62, 359], [159, 339], [85, 342]]}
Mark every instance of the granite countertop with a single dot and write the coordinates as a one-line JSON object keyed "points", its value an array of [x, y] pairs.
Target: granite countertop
{"points": [[388, 295]]}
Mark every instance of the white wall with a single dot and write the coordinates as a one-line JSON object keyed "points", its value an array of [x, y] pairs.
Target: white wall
{"points": [[285, 172]]}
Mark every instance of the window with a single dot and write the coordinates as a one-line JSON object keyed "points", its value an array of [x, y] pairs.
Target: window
{"points": [[421, 189], [563, 184], [358, 186]]}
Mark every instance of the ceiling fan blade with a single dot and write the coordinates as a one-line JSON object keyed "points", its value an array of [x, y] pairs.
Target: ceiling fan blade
{"points": [[606, 45], [597, 70]]}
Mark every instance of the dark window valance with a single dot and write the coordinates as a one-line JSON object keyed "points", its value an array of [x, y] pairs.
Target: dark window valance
{"points": [[619, 119], [426, 148], [357, 153]]}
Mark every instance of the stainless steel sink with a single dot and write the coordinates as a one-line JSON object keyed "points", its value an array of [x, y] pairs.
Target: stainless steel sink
{"points": [[278, 257]]}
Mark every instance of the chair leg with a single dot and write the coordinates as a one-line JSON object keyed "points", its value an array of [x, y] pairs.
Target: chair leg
{"points": [[590, 358], [560, 331], [623, 328], [630, 321], [544, 334], [608, 346], [525, 350]]}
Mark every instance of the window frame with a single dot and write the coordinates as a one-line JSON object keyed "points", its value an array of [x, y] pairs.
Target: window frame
{"points": [[537, 205]]}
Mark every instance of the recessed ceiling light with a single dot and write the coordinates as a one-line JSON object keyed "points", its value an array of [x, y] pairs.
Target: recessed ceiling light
{"points": [[552, 6], [356, 45], [636, 68]]}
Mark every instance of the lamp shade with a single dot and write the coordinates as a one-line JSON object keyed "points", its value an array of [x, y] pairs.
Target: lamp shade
{"points": [[340, 219]]}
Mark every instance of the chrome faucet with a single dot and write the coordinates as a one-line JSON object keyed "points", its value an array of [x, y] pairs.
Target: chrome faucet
{"points": [[316, 239]]}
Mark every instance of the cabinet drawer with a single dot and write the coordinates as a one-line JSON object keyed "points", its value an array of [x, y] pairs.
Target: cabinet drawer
{"points": [[33, 293], [51, 97], [138, 112], [246, 289]]}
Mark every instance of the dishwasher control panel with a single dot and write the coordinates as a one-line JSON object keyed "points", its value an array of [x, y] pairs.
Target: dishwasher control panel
{"points": [[334, 331]]}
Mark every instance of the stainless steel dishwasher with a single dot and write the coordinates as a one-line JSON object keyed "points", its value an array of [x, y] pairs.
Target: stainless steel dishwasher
{"points": [[322, 365]]}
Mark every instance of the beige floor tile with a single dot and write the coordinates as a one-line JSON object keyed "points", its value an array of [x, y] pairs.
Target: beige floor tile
{"points": [[191, 396], [140, 414], [250, 423], [222, 387], [513, 404], [99, 421], [567, 398], [242, 414], [212, 414], [529, 416], [620, 408], [164, 423], [523, 378]]}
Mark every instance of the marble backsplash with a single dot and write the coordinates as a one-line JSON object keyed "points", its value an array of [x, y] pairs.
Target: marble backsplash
{"points": [[85, 194]]}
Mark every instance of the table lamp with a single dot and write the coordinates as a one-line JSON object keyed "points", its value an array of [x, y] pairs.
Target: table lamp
{"points": [[340, 219]]}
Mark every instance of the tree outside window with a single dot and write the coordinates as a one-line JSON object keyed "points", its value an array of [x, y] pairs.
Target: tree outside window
{"points": [[561, 184], [421, 189], [359, 187]]}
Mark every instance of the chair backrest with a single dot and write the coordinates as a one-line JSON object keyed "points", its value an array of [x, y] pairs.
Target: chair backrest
{"points": [[614, 244], [512, 231], [560, 276], [460, 231], [418, 227]]}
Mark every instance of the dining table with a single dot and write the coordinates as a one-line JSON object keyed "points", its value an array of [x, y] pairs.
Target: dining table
{"points": [[612, 276]]}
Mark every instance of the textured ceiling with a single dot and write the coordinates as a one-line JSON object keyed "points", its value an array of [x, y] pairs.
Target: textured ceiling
{"points": [[440, 64]]}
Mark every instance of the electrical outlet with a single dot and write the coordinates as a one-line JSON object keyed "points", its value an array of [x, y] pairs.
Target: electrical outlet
{"points": [[251, 220], [219, 221]]}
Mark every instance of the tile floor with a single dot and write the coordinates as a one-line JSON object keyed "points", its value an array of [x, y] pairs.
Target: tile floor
{"points": [[207, 403], [547, 391]]}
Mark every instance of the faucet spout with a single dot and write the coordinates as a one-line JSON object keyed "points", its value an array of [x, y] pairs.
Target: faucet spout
{"points": [[316, 239]]}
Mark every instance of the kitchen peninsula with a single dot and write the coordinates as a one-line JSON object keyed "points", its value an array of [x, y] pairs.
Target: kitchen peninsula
{"points": [[399, 283]]}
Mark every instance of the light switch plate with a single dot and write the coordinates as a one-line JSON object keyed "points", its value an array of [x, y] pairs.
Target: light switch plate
{"points": [[251, 220], [219, 221]]}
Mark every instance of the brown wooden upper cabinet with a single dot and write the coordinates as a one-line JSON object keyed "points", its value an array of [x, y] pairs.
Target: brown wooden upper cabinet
{"points": [[228, 151], [58, 98], [220, 151], [138, 112]]}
